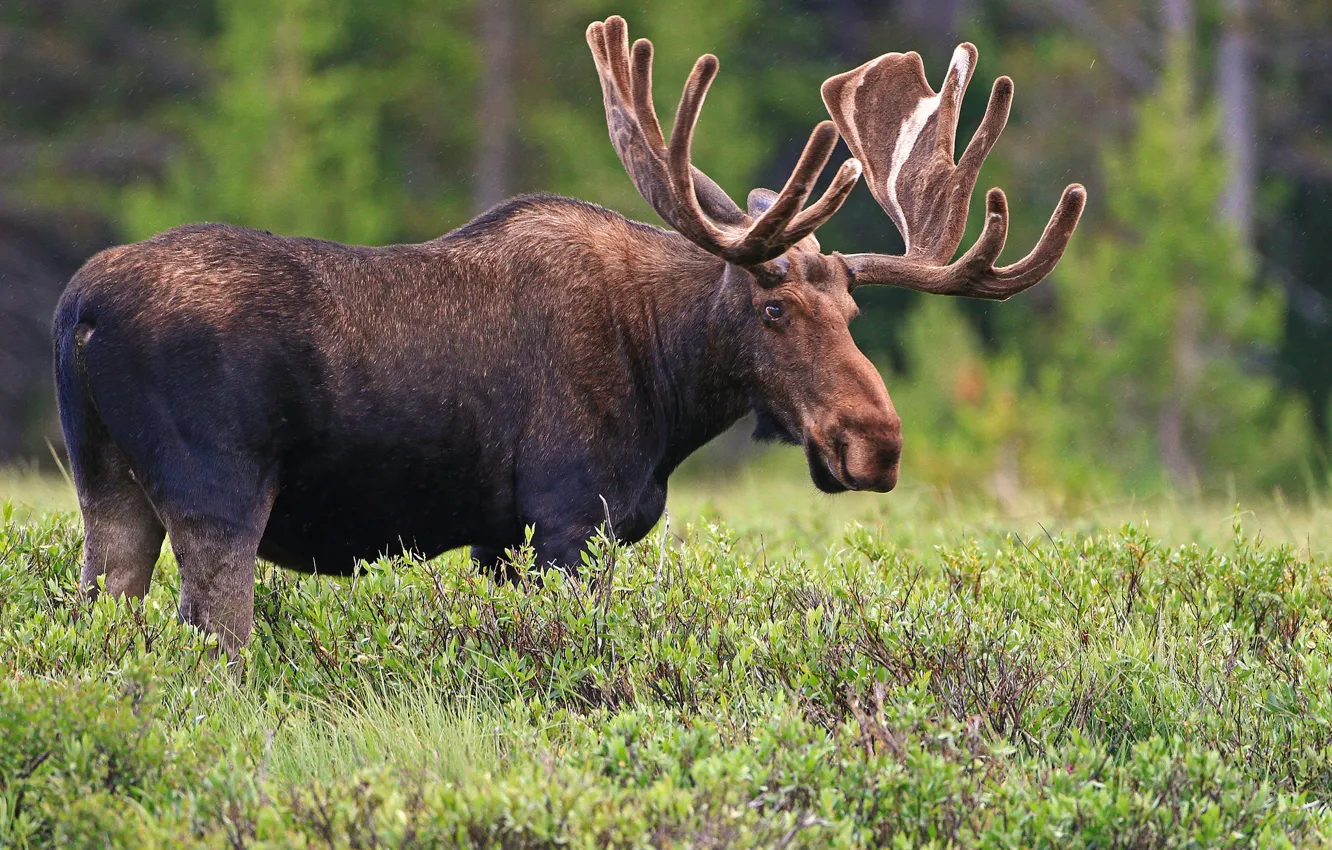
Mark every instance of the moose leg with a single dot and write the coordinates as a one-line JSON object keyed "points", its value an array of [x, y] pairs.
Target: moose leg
{"points": [[491, 561], [122, 533], [216, 560], [562, 534], [215, 521], [569, 507]]}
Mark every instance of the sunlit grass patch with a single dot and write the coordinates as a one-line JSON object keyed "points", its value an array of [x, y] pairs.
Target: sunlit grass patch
{"points": [[415, 731]]}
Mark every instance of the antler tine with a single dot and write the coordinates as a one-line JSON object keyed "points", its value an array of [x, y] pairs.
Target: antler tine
{"points": [[886, 111], [987, 134], [772, 233], [813, 216], [771, 228], [974, 273], [643, 107], [694, 224], [1032, 269], [681, 194], [635, 129]]}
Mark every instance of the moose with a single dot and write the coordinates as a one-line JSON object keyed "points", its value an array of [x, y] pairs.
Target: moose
{"points": [[547, 365]]}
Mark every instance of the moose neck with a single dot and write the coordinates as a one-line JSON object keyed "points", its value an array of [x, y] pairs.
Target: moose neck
{"points": [[693, 350]]}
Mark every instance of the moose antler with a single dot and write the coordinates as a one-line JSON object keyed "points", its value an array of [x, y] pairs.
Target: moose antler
{"points": [[902, 130], [681, 194]]}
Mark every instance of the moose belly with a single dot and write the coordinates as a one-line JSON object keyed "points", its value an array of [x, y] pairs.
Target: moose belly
{"points": [[330, 513]]}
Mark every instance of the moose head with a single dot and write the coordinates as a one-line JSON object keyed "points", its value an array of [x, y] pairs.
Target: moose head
{"points": [[812, 386]]}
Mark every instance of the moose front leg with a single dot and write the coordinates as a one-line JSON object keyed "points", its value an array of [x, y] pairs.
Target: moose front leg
{"points": [[492, 561]]}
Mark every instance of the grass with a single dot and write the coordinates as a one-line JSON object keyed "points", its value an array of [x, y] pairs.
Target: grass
{"points": [[789, 670], [33, 493], [437, 737]]}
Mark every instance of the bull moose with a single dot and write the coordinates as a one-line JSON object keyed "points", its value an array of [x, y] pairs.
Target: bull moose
{"points": [[548, 364]]}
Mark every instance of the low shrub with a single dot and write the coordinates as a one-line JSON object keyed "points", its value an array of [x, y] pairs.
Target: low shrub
{"points": [[726, 690]]}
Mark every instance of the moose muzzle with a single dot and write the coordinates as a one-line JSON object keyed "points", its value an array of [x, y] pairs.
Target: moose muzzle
{"points": [[856, 450]]}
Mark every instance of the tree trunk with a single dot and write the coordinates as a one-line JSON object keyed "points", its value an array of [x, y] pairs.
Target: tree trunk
{"points": [[1177, 19], [1186, 366], [495, 111], [1234, 80], [1185, 346]]}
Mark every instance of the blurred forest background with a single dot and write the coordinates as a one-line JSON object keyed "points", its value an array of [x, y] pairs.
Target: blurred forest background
{"points": [[1184, 344]]}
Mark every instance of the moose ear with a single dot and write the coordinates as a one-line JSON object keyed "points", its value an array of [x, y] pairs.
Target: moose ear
{"points": [[759, 201]]}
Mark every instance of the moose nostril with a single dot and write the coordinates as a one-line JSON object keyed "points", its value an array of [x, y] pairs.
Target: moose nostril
{"points": [[892, 452], [840, 451]]}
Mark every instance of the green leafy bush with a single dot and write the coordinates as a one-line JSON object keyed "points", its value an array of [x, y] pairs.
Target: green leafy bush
{"points": [[731, 690]]}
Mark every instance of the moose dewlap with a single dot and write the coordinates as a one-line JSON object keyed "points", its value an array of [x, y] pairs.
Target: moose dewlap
{"points": [[548, 364]]}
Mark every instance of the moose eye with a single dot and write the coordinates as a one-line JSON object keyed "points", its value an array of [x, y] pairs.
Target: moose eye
{"points": [[772, 311]]}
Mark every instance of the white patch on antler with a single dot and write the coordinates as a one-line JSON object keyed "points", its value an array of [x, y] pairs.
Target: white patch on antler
{"points": [[906, 143], [910, 135], [961, 64]]}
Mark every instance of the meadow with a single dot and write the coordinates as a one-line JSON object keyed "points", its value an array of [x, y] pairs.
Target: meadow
{"points": [[773, 668]]}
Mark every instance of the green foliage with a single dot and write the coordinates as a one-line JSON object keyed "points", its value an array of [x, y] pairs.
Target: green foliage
{"points": [[86, 762], [1161, 317], [294, 137], [973, 421], [741, 690]]}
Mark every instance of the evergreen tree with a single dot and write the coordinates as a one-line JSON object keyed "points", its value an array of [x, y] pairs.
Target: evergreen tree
{"points": [[289, 140], [1163, 331]]}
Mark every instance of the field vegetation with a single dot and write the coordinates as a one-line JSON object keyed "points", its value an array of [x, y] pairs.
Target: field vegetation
{"points": [[774, 668]]}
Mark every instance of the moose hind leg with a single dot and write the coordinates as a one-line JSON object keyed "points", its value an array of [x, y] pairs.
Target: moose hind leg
{"points": [[216, 559], [122, 533], [215, 520]]}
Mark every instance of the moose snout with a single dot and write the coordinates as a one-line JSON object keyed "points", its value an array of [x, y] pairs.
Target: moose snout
{"points": [[869, 454], [857, 452]]}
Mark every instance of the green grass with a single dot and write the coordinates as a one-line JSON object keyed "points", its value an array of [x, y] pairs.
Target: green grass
{"points": [[33, 493], [438, 737], [789, 670]]}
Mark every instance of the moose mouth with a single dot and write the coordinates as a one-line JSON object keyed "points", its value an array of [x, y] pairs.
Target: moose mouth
{"points": [[826, 469], [828, 475]]}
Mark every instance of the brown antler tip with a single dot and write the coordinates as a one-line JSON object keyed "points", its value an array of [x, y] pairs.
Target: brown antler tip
{"points": [[1073, 202], [1003, 87], [617, 30], [707, 64]]}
